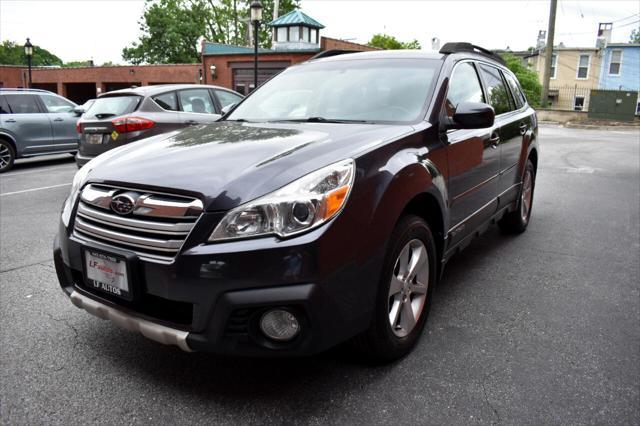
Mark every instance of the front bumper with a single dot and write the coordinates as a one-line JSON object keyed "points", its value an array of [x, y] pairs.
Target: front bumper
{"points": [[211, 297]]}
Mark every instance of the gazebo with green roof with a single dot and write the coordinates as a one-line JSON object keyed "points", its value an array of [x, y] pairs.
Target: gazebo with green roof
{"points": [[296, 31]]}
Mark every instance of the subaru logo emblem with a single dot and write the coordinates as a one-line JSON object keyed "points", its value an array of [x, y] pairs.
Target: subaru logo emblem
{"points": [[124, 203]]}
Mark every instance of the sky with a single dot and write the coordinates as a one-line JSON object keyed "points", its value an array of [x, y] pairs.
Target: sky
{"points": [[100, 29]]}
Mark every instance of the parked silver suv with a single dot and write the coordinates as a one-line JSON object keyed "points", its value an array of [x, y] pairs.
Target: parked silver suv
{"points": [[35, 122]]}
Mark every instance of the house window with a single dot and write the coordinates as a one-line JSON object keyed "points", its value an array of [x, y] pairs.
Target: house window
{"points": [[578, 103], [583, 66], [282, 34], [294, 34], [305, 34], [554, 62], [616, 62]]}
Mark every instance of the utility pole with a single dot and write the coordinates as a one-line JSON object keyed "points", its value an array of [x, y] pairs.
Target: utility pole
{"points": [[548, 53]]}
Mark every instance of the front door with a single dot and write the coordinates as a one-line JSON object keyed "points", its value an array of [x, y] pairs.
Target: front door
{"points": [[473, 157], [28, 124]]}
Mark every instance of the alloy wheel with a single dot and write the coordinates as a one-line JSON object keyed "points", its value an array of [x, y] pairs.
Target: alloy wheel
{"points": [[5, 156], [526, 196], [408, 288]]}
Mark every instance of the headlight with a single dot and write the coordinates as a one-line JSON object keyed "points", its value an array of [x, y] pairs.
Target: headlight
{"points": [[301, 205], [76, 184]]}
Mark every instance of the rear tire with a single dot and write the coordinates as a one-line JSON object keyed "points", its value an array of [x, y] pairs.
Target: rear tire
{"points": [[404, 292], [516, 222], [7, 156]]}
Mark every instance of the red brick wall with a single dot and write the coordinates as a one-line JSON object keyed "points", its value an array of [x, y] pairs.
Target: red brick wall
{"points": [[327, 43], [11, 76], [101, 76]]}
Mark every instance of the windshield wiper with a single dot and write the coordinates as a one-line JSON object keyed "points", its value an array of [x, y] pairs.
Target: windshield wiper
{"points": [[320, 120], [102, 115]]}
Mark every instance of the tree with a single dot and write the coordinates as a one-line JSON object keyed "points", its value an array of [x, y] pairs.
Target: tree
{"points": [[12, 53], [171, 28], [388, 42], [635, 36], [528, 78]]}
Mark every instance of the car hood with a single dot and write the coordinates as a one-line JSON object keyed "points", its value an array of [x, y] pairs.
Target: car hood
{"points": [[230, 163]]}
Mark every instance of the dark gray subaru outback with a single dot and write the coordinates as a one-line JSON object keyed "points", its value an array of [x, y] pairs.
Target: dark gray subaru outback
{"points": [[322, 209]]}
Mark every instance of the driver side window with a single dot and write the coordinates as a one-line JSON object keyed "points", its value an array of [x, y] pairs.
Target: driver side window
{"points": [[56, 104], [464, 86]]}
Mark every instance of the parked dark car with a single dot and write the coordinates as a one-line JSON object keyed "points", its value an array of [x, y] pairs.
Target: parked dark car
{"points": [[128, 115], [35, 122], [299, 222]]}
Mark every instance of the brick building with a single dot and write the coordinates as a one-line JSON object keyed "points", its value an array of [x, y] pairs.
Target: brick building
{"points": [[296, 38]]}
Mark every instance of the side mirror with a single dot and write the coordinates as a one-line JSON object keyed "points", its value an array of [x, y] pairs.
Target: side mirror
{"points": [[472, 115], [78, 111], [228, 108]]}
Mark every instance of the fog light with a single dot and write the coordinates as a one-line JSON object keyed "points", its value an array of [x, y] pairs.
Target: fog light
{"points": [[280, 325]]}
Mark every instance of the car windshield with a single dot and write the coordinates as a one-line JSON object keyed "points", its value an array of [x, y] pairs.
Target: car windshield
{"points": [[112, 106], [364, 90]]}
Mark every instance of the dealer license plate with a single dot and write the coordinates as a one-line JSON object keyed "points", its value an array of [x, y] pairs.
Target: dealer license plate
{"points": [[107, 273]]}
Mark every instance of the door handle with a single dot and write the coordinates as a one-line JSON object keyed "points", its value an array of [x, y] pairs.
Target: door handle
{"points": [[494, 139], [10, 120], [191, 122], [58, 119], [523, 128]]}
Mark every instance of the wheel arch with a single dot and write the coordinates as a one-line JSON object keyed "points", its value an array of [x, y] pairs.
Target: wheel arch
{"points": [[6, 137]]}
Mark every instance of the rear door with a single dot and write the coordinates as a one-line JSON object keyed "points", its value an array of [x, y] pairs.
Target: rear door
{"points": [[473, 157], [197, 106], [28, 123], [506, 127], [63, 122], [520, 126]]}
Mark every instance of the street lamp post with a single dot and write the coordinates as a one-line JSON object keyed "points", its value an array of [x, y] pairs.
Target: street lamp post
{"points": [[256, 18], [28, 51]]}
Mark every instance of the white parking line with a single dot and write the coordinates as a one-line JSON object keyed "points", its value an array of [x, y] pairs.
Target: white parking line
{"points": [[60, 167], [35, 189]]}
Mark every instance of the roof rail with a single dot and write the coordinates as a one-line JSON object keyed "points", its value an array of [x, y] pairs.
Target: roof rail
{"points": [[333, 52], [22, 89], [468, 47]]}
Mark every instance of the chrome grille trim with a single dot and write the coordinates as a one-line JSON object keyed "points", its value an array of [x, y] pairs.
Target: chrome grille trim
{"points": [[178, 229], [81, 238], [149, 204], [135, 241], [155, 231]]}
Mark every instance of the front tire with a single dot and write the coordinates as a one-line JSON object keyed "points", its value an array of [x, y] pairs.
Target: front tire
{"points": [[404, 292], [7, 156]]}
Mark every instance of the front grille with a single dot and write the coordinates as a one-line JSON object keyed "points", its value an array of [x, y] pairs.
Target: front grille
{"points": [[155, 229]]}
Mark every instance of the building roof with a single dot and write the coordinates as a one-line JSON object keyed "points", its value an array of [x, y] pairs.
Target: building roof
{"points": [[623, 44], [211, 48], [296, 17], [215, 49]]}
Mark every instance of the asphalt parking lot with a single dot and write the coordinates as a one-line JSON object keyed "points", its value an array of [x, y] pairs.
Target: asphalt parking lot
{"points": [[542, 328]]}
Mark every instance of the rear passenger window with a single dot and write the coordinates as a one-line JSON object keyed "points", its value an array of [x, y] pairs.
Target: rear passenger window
{"points": [[515, 91], [196, 100], [4, 106], [463, 87], [23, 104], [499, 96], [167, 101]]}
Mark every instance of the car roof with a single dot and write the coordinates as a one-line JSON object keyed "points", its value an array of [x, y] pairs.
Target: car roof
{"points": [[158, 88], [383, 54], [21, 90], [408, 54]]}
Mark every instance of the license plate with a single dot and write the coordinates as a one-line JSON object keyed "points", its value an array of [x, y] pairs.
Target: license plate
{"points": [[107, 273], [94, 139]]}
